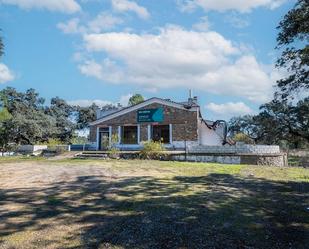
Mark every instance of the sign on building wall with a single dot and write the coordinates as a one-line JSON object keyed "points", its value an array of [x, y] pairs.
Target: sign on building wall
{"points": [[150, 115]]}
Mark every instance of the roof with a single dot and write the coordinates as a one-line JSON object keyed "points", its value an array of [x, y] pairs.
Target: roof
{"points": [[181, 105]]}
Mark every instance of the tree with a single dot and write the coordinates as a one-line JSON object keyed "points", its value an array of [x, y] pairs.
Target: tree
{"points": [[1, 47], [85, 115], [63, 114], [278, 120], [294, 37], [241, 137], [29, 123], [136, 99], [4, 135]]}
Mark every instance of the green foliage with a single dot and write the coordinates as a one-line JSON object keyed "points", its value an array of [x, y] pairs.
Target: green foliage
{"points": [[31, 122], [112, 148], [279, 122], [85, 115], [136, 99], [241, 137], [152, 150], [1, 47], [4, 115], [63, 114], [79, 140], [53, 142], [113, 153], [294, 38]]}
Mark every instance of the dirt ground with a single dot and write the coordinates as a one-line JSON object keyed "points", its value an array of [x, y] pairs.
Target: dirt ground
{"points": [[151, 204]]}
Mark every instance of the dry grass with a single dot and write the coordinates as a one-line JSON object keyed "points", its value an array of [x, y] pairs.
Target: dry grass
{"points": [[151, 204]]}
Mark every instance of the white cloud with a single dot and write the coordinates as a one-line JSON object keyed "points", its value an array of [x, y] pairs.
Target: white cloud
{"points": [[5, 74], [91, 68], [237, 21], [229, 109], [179, 58], [224, 5], [102, 22], [65, 6], [202, 25], [125, 5], [71, 27], [123, 100], [88, 102]]}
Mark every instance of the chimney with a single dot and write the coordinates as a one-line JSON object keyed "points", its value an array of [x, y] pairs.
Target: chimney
{"points": [[98, 113]]}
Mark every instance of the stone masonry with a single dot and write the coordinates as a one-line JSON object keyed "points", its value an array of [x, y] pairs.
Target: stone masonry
{"points": [[184, 123]]}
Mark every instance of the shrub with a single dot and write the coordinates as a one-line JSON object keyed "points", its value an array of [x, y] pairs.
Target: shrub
{"points": [[113, 151], [241, 137], [152, 150], [52, 142]]}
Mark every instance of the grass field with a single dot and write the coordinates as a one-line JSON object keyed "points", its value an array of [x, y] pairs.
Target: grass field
{"points": [[151, 204]]}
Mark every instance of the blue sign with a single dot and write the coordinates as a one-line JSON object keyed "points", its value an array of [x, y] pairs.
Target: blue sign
{"points": [[150, 115]]}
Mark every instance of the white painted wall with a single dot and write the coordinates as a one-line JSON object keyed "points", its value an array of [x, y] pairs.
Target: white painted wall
{"points": [[208, 136]]}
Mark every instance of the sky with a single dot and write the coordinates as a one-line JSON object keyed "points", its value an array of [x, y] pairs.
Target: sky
{"points": [[104, 51]]}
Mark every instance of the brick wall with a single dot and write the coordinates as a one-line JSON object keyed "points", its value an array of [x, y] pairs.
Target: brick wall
{"points": [[93, 134], [184, 123], [238, 149]]}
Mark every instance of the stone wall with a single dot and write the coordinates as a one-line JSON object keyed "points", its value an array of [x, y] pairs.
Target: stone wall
{"points": [[31, 148], [184, 123], [279, 160], [236, 149], [93, 133]]}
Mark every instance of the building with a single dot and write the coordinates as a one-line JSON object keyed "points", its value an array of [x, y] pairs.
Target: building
{"points": [[176, 124]]}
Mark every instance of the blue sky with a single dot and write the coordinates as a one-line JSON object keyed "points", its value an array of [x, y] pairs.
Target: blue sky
{"points": [[106, 50]]}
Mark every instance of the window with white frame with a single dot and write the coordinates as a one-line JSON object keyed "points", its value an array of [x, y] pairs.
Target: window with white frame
{"points": [[129, 135], [160, 133]]}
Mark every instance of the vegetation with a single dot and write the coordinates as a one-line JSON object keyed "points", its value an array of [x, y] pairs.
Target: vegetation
{"points": [[241, 137], [278, 122], [25, 119], [152, 204], [136, 99], [112, 148], [294, 38], [85, 115], [1, 47], [152, 150], [283, 121]]}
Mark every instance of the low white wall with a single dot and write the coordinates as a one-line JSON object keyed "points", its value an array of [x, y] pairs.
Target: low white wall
{"points": [[6, 154], [182, 144], [237, 149], [31, 148]]}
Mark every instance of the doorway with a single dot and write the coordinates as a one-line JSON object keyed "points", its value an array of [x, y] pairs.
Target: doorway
{"points": [[103, 138]]}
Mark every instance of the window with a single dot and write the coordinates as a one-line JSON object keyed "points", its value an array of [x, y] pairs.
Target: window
{"points": [[161, 133], [129, 135]]}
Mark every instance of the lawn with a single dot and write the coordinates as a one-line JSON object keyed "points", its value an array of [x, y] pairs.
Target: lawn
{"points": [[151, 204]]}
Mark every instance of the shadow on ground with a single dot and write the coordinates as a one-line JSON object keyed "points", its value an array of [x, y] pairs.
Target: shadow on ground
{"points": [[214, 211]]}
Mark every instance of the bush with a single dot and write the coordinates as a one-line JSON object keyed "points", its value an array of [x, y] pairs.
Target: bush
{"points": [[152, 150], [52, 142], [113, 151], [241, 137]]}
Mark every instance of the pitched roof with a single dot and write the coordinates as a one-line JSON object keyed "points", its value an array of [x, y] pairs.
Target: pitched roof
{"points": [[168, 102]]}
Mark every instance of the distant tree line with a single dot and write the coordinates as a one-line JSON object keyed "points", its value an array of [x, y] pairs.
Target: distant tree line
{"points": [[284, 120], [26, 119]]}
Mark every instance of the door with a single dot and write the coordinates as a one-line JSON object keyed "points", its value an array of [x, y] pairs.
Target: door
{"points": [[103, 139]]}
